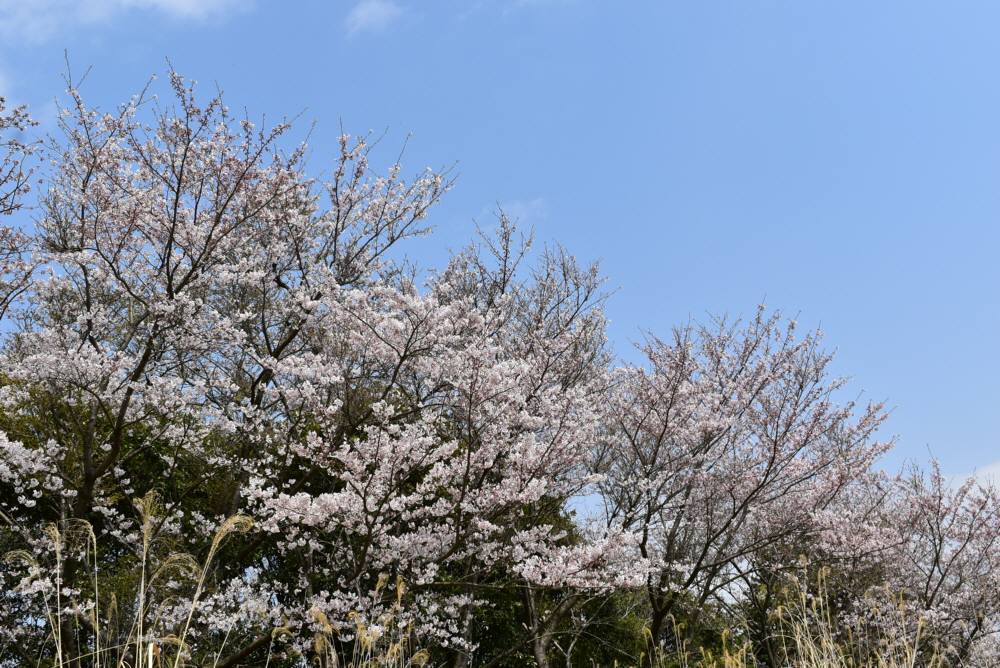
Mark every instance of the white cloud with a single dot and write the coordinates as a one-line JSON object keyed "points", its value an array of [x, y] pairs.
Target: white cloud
{"points": [[188, 8], [987, 475], [38, 20], [526, 211], [372, 15], [537, 3]]}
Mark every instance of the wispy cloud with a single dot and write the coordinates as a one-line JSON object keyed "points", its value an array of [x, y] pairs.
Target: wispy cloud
{"points": [[525, 211], [537, 3], [987, 475], [38, 20], [467, 9], [372, 16]]}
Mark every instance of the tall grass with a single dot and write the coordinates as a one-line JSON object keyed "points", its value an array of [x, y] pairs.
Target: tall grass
{"points": [[385, 644], [141, 647], [814, 639], [808, 632], [810, 636]]}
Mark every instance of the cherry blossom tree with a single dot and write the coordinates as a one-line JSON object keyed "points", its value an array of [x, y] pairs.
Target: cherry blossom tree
{"points": [[936, 543], [947, 564], [14, 152], [208, 322], [825, 572], [726, 443], [15, 174]]}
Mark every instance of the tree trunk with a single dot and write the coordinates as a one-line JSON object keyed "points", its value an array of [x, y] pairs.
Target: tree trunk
{"points": [[540, 648]]}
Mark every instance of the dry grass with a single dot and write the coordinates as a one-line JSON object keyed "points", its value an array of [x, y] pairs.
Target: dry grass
{"points": [[385, 644], [142, 648], [809, 636]]}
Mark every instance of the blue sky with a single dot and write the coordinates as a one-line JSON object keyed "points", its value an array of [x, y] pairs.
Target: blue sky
{"points": [[839, 161]]}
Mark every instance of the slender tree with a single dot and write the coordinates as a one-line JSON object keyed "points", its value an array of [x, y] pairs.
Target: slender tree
{"points": [[723, 445]]}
